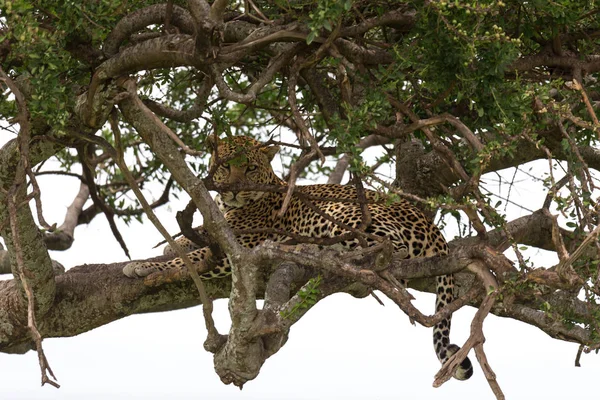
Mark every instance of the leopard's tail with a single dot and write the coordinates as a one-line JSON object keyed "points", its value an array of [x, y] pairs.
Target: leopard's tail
{"points": [[441, 332]]}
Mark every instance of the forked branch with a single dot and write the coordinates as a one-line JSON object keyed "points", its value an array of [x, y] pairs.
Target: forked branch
{"points": [[476, 337]]}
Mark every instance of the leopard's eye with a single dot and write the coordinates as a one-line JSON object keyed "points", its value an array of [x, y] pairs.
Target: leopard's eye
{"points": [[226, 165], [252, 167]]}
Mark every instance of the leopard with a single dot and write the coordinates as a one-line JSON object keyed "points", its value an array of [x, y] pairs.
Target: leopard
{"points": [[331, 212]]}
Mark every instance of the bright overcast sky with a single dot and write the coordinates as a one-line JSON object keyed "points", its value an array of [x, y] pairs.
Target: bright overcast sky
{"points": [[343, 348]]}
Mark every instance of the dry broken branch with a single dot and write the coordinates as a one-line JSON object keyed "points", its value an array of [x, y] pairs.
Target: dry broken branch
{"points": [[476, 337]]}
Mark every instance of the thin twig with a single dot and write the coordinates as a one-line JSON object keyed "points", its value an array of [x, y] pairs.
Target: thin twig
{"points": [[295, 171], [590, 238], [261, 16], [31, 323], [98, 200], [304, 138], [207, 305], [476, 337], [23, 138], [578, 86], [23, 169]]}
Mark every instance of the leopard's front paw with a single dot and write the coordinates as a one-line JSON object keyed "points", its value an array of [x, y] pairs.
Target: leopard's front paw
{"points": [[138, 269]]}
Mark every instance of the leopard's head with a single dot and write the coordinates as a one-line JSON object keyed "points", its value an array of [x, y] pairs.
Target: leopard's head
{"points": [[240, 160]]}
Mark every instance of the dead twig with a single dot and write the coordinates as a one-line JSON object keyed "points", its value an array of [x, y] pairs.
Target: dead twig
{"points": [[476, 337], [567, 263], [88, 173], [578, 356], [304, 138], [295, 171], [578, 86], [31, 322], [331, 262]]}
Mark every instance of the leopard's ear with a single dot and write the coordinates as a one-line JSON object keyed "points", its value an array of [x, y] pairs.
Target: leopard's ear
{"points": [[270, 151]]}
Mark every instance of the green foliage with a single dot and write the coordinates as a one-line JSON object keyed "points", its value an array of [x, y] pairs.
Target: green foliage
{"points": [[454, 59], [326, 16], [309, 295]]}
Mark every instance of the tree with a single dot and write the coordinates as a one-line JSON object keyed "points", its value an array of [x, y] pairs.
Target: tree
{"points": [[450, 93]]}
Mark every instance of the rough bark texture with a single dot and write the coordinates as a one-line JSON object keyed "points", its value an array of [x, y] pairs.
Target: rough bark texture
{"points": [[447, 92]]}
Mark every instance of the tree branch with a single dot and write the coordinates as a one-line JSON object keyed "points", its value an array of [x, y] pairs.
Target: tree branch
{"points": [[62, 238], [140, 19]]}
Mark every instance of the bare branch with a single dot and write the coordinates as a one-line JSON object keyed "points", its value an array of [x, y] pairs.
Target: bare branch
{"points": [[578, 86], [476, 337], [267, 75], [399, 19], [153, 131], [98, 201], [63, 236], [590, 64], [207, 305], [342, 164]]}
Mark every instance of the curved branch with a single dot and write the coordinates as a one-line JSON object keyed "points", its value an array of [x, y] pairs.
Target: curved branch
{"points": [[184, 115], [361, 55], [163, 52], [89, 213], [399, 19], [142, 18], [274, 66]]}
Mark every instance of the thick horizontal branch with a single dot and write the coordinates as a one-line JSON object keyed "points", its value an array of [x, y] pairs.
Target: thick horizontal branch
{"points": [[399, 19], [93, 295], [90, 296], [163, 52], [589, 64], [140, 19], [532, 230], [176, 50], [426, 174], [554, 328]]}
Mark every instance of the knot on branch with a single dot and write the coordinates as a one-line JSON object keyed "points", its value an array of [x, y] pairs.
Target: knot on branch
{"points": [[95, 106]]}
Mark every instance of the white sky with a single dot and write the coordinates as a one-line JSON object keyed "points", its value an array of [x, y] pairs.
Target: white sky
{"points": [[343, 348]]}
